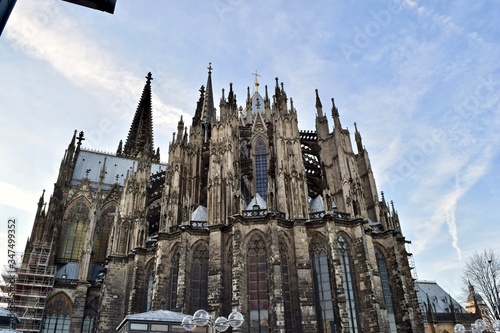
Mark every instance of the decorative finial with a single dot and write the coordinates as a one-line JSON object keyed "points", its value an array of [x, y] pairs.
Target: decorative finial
{"points": [[209, 68], [149, 77], [80, 138]]}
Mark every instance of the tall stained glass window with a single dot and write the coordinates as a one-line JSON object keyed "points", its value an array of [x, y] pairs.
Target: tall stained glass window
{"points": [[323, 291], [384, 278], [199, 278], [285, 277], [73, 233], [257, 285], [261, 168], [103, 229], [149, 291], [349, 285], [174, 278], [57, 316]]}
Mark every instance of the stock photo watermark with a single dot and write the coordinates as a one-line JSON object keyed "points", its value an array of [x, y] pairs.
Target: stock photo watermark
{"points": [[471, 106], [371, 30]]}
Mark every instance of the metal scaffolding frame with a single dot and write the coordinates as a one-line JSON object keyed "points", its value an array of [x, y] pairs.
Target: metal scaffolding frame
{"points": [[34, 280]]}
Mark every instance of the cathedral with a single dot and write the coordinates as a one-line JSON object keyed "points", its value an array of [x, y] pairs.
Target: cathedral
{"points": [[250, 213]]}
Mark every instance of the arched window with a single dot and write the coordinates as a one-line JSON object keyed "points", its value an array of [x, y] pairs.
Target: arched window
{"points": [[285, 277], [89, 316], [227, 277], [323, 293], [257, 285], [149, 283], [174, 278], [199, 278], [102, 231], [73, 233], [261, 168], [349, 285], [57, 316], [384, 278]]}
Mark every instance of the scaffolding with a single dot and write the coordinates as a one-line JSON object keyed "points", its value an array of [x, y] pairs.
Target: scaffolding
{"points": [[34, 280]]}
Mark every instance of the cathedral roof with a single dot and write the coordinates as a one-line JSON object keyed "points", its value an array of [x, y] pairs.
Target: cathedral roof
{"points": [[89, 164]]}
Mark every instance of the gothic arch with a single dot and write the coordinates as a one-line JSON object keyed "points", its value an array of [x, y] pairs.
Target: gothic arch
{"points": [[257, 272], [57, 316], [260, 152], [381, 259], [287, 259], [199, 276], [149, 282], [73, 231], [323, 276], [173, 277], [102, 233], [89, 315], [349, 282]]}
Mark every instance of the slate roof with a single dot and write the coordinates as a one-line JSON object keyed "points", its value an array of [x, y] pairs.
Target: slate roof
{"points": [[157, 315], [115, 165], [439, 299]]}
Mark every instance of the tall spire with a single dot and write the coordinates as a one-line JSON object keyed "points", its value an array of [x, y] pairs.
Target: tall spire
{"points": [[208, 106], [141, 130]]}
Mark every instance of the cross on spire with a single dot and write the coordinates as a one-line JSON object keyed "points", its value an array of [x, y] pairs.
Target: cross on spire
{"points": [[256, 83], [209, 67], [149, 77]]}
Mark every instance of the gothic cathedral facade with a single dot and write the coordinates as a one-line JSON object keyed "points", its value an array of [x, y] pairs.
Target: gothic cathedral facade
{"points": [[250, 213]]}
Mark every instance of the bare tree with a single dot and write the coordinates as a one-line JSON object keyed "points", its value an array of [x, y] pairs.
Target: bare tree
{"points": [[482, 269]]}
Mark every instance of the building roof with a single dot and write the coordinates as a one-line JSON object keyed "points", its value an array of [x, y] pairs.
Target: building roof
{"points": [[157, 315], [89, 164], [316, 205], [429, 293], [257, 201]]}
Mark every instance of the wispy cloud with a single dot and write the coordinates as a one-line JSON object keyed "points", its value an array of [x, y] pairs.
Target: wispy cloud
{"points": [[44, 30]]}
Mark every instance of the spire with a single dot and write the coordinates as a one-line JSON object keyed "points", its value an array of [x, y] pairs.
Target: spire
{"points": [[40, 205], [120, 148], [319, 106], [357, 137], [335, 115], [208, 106], [141, 130]]}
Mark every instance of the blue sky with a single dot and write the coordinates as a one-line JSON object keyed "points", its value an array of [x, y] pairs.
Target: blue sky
{"points": [[421, 79]]}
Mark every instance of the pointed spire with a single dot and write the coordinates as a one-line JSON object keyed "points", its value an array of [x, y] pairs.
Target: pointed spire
{"points": [[319, 106], [103, 172], [357, 137], [141, 130], [180, 130], [208, 106], [40, 205], [335, 115], [120, 148]]}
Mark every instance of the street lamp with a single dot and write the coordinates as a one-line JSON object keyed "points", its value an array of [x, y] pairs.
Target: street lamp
{"points": [[478, 327], [221, 324]]}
